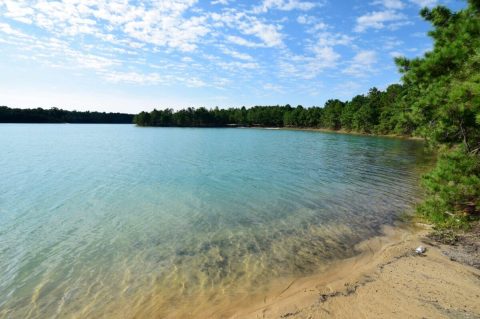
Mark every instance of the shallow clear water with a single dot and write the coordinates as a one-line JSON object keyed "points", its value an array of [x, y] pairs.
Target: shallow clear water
{"points": [[102, 220]]}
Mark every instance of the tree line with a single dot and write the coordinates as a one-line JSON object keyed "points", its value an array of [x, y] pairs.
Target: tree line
{"points": [[375, 112], [438, 99], [55, 115]]}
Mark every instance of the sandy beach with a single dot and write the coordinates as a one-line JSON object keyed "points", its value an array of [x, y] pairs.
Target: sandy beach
{"points": [[386, 280]]}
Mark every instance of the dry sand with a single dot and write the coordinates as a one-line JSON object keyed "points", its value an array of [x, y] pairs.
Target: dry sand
{"points": [[386, 280]]}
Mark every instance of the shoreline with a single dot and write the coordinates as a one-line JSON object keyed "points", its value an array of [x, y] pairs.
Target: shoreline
{"points": [[324, 130], [306, 129], [385, 280]]}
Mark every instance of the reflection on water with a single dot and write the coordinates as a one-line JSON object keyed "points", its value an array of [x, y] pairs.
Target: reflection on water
{"points": [[99, 220]]}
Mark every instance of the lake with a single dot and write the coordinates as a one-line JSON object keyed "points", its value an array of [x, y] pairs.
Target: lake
{"points": [[121, 221]]}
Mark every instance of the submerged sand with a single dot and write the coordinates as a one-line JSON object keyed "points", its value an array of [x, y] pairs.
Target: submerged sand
{"points": [[386, 280]]}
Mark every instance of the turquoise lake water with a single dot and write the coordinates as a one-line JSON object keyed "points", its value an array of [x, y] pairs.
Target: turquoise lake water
{"points": [[97, 220]]}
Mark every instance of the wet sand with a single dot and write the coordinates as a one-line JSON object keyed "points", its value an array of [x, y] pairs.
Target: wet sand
{"points": [[386, 280]]}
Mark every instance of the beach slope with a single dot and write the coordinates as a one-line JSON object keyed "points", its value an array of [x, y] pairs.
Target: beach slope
{"points": [[386, 280]]}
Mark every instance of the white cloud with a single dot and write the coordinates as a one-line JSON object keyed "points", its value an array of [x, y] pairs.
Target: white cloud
{"points": [[378, 20], [222, 2], [266, 32], [195, 82], [159, 23], [400, 4], [314, 24], [424, 3], [332, 39], [170, 31], [320, 56], [395, 54], [18, 10], [270, 87], [390, 4], [303, 19], [236, 54], [241, 41], [308, 67], [362, 64], [133, 77], [286, 5], [245, 24], [221, 83], [325, 57], [91, 61], [391, 42], [236, 66], [7, 29], [347, 89], [365, 57]]}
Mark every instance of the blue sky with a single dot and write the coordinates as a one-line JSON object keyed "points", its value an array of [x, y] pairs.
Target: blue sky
{"points": [[134, 55]]}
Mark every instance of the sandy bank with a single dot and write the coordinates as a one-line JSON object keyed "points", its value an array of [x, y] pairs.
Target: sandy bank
{"points": [[386, 280]]}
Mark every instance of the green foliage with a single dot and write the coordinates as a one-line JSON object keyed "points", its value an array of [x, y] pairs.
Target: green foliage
{"points": [[331, 114], [442, 90], [444, 85], [362, 114], [453, 190], [55, 115]]}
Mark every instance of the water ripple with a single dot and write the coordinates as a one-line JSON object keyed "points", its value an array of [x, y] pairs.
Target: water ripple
{"points": [[103, 221]]}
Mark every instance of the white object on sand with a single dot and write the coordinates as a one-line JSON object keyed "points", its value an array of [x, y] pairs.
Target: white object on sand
{"points": [[420, 250]]}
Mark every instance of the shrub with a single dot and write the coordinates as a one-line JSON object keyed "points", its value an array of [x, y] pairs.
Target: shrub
{"points": [[452, 190]]}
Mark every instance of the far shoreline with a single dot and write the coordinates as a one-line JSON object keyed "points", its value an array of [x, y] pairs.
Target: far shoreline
{"points": [[306, 129], [324, 130]]}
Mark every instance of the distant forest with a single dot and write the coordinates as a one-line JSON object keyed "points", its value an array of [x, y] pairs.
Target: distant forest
{"points": [[375, 112], [54, 115]]}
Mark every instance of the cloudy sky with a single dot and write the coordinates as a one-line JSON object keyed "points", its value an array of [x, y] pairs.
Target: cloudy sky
{"points": [[133, 55]]}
